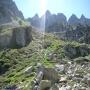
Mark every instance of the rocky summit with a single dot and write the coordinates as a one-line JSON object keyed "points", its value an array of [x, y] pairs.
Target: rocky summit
{"points": [[58, 22]]}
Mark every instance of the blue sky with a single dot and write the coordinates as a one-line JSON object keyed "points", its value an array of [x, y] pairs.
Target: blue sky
{"points": [[68, 7]]}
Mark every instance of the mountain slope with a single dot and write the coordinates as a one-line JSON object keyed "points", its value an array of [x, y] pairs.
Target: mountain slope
{"points": [[19, 66], [9, 11]]}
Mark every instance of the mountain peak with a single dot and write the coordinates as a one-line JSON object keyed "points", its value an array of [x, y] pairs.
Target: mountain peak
{"points": [[36, 16], [74, 20], [74, 16], [82, 17], [47, 13]]}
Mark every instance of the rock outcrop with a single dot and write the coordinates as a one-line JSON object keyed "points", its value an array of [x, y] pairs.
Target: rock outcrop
{"points": [[72, 51], [45, 77], [16, 37], [80, 34], [75, 77]]}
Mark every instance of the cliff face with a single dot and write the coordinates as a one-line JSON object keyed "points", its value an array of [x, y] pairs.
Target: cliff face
{"points": [[9, 11], [16, 37], [73, 20], [52, 22], [80, 34]]}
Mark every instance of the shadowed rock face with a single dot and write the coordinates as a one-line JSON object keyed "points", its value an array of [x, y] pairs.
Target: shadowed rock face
{"points": [[16, 38], [73, 20], [74, 52], [80, 34], [9, 11]]}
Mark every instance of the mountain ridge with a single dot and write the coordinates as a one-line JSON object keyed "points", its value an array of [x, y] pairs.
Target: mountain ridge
{"points": [[59, 17], [72, 29]]}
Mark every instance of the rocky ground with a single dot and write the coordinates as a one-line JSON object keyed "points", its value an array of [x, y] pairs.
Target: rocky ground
{"points": [[70, 76], [47, 63]]}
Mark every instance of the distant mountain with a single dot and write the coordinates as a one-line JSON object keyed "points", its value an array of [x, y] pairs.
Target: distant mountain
{"points": [[58, 22], [35, 21], [51, 21], [84, 20], [73, 20], [74, 28], [9, 11], [55, 23]]}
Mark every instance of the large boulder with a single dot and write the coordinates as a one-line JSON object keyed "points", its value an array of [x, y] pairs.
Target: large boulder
{"points": [[39, 77], [51, 74], [88, 82], [45, 84], [15, 38], [21, 36]]}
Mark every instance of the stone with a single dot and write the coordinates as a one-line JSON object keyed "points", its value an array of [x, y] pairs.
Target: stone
{"points": [[36, 87], [76, 85], [62, 88], [59, 68], [16, 37], [86, 79], [21, 36], [63, 80], [45, 84], [39, 77], [88, 82], [82, 88], [54, 87], [68, 87], [13, 87], [78, 75], [51, 74], [28, 70], [88, 88], [39, 67], [77, 79], [33, 83]]}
